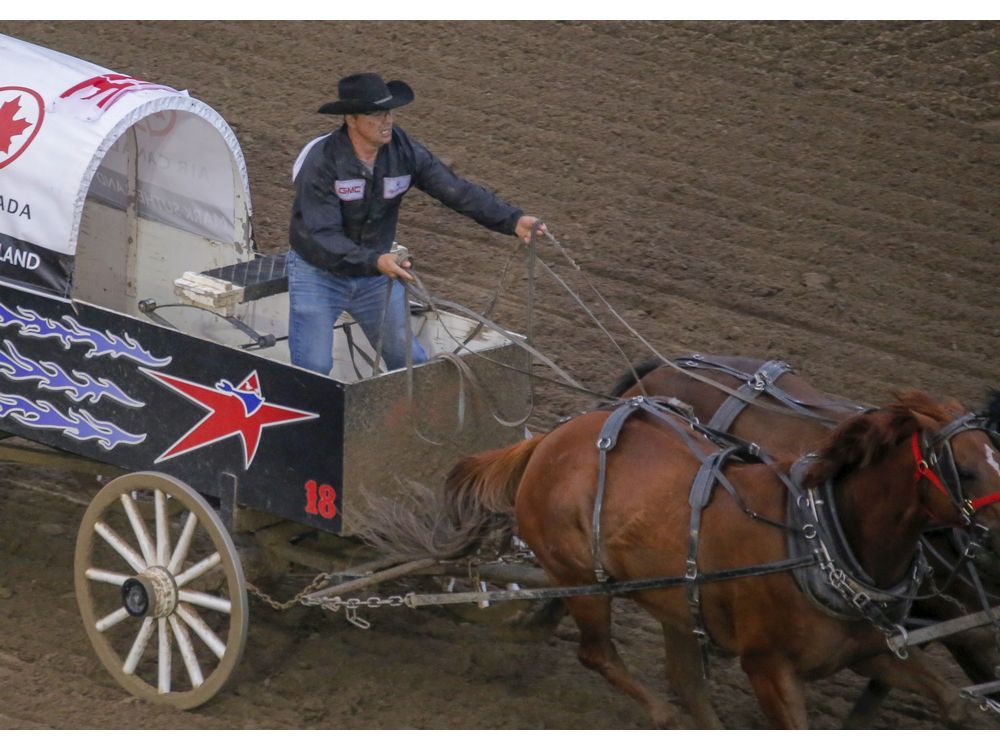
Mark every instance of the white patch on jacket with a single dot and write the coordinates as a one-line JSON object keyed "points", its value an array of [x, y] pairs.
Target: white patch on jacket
{"points": [[349, 190], [393, 186]]}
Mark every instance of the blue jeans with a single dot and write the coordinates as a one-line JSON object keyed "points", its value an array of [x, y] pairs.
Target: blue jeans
{"points": [[318, 297]]}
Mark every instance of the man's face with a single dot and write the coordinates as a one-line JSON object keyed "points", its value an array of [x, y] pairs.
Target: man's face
{"points": [[375, 127]]}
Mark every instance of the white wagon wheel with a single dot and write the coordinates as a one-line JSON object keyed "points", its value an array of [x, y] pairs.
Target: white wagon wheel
{"points": [[150, 594]]}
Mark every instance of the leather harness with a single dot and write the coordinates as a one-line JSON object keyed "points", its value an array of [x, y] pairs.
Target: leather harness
{"points": [[835, 582]]}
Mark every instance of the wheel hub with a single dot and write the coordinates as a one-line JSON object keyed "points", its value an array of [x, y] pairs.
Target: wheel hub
{"points": [[152, 593]]}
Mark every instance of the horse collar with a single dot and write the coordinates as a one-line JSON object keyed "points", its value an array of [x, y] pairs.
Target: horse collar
{"points": [[840, 586]]}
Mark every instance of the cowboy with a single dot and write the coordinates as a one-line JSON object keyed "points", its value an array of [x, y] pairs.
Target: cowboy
{"points": [[349, 185]]}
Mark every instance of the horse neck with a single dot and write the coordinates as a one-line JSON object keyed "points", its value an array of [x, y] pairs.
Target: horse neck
{"points": [[881, 516]]}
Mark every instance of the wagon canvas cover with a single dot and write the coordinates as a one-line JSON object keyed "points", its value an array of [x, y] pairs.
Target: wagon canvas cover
{"points": [[61, 127]]}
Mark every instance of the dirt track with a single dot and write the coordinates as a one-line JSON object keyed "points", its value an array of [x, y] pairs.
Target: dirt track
{"points": [[822, 193]]}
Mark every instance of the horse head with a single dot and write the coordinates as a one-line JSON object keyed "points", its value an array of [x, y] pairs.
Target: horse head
{"points": [[954, 459]]}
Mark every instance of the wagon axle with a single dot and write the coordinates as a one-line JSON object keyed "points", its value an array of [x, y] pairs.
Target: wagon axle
{"points": [[153, 593]]}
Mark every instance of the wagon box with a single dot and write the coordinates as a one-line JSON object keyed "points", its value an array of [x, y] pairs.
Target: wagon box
{"points": [[142, 332], [124, 190]]}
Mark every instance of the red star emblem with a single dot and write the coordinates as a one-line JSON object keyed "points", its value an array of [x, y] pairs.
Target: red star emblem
{"points": [[10, 125], [232, 411]]}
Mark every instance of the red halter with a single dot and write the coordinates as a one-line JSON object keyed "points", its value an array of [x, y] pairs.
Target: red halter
{"points": [[924, 470]]}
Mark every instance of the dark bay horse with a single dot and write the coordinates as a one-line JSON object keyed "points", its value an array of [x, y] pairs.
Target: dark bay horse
{"points": [[801, 428], [871, 468]]}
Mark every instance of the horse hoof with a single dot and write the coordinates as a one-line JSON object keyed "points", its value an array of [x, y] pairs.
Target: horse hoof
{"points": [[664, 717]]}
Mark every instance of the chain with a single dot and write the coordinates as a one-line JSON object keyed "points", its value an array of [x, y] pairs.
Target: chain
{"points": [[317, 583], [351, 606], [838, 579], [978, 695]]}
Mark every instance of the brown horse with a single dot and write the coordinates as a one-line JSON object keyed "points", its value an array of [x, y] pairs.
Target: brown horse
{"points": [[883, 504], [782, 430]]}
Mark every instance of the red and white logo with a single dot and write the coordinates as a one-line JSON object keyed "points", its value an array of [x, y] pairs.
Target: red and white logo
{"points": [[349, 190], [233, 411], [21, 113], [101, 92]]}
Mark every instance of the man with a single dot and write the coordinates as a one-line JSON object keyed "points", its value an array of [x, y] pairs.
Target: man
{"points": [[349, 186]]}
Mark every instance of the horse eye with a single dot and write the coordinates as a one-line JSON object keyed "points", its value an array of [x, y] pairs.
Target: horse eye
{"points": [[966, 475]]}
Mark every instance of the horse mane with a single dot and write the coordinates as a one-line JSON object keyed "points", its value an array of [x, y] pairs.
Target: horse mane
{"points": [[866, 438], [992, 409], [628, 379]]}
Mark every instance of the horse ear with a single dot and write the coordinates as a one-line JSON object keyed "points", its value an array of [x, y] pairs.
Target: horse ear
{"points": [[844, 449]]}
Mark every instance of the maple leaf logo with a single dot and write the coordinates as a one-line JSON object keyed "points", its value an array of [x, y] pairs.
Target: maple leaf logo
{"points": [[10, 125]]}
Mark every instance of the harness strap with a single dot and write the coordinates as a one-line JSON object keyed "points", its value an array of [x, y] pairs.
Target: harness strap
{"points": [[606, 441], [660, 408], [761, 381], [709, 473], [985, 500]]}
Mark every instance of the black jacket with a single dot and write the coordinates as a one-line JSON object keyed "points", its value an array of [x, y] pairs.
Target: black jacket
{"points": [[343, 220]]}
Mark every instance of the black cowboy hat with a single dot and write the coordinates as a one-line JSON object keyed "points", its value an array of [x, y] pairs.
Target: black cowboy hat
{"points": [[367, 92]]}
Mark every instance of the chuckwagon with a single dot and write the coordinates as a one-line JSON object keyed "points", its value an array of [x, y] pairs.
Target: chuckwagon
{"points": [[143, 333], [145, 339]]}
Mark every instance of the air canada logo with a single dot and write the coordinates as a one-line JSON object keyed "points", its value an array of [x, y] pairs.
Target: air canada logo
{"points": [[91, 98], [105, 90], [21, 113], [233, 411]]}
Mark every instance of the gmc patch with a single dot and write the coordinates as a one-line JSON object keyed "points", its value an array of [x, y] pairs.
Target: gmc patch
{"points": [[349, 190]]}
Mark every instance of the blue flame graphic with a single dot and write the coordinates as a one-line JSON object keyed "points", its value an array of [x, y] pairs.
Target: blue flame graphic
{"points": [[78, 425], [33, 325], [16, 366]]}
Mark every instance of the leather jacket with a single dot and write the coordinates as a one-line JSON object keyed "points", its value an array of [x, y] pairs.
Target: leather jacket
{"points": [[344, 217]]}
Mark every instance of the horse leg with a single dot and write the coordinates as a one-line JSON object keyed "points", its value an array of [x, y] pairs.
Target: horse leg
{"points": [[597, 652], [917, 675], [683, 665], [546, 619], [778, 689], [866, 705]]}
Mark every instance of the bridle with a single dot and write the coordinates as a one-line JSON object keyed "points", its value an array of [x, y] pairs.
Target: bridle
{"points": [[939, 455]]}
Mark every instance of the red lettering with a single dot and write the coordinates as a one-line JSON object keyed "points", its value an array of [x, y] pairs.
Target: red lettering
{"points": [[320, 499]]}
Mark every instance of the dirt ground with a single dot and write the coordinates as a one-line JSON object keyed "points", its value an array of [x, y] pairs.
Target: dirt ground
{"points": [[825, 193]]}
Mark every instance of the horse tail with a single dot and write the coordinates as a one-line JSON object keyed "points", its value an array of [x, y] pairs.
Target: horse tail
{"points": [[487, 482], [628, 379]]}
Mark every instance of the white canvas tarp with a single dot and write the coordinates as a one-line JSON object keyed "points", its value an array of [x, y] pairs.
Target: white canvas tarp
{"points": [[61, 127]]}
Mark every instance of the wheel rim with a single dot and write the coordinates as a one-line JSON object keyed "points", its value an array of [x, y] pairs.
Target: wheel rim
{"points": [[160, 589]]}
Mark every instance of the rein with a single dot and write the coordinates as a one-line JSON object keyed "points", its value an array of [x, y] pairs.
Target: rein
{"points": [[923, 470]]}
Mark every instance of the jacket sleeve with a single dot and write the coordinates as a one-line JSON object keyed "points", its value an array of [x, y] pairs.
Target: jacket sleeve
{"points": [[317, 227], [472, 200]]}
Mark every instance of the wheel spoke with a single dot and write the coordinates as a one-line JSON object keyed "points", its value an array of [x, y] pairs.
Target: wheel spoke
{"points": [[120, 546], [205, 600], [201, 629], [198, 569], [181, 550], [162, 528], [111, 620], [139, 645], [106, 576], [176, 545], [139, 527], [163, 678], [187, 651]]}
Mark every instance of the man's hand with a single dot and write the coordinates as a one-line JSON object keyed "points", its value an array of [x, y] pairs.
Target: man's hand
{"points": [[388, 265], [524, 225]]}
